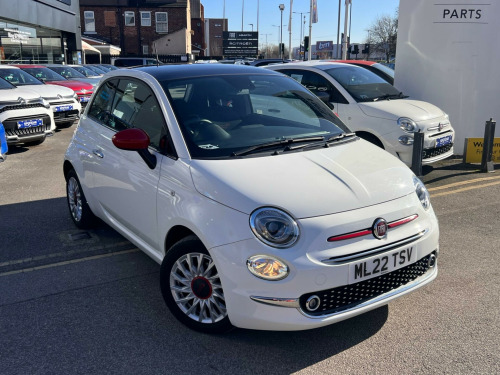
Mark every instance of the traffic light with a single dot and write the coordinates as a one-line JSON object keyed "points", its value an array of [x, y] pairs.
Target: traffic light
{"points": [[349, 50], [282, 48], [306, 43], [366, 51], [355, 51]]}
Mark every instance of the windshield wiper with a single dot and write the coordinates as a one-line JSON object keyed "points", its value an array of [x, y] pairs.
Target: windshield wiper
{"points": [[274, 144], [390, 96]]}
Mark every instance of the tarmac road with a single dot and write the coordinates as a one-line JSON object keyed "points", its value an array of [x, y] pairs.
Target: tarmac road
{"points": [[76, 302]]}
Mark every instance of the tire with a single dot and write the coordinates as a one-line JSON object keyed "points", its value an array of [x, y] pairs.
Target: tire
{"points": [[77, 203], [196, 298]]}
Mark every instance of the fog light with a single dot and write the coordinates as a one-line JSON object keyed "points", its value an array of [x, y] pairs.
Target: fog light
{"points": [[313, 302], [432, 260], [267, 267], [405, 140]]}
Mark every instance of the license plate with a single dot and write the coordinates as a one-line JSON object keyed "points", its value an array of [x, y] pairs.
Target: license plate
{"points": [[63, 108], [443, 141], [84, 99], [381, 264], [25, 124]]}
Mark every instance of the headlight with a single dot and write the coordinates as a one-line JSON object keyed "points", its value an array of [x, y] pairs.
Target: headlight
{"points": [[407, 124], [274, 227], [46, 103], [422, 193], [267, 267], [75, 96]]}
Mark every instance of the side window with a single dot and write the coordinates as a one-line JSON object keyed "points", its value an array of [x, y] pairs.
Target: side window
{"points": [[316, 83], [100, 108], [135, 106]]}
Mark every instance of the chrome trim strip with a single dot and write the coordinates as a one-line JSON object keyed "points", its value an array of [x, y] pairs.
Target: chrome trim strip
{"points": [[282, 302], [421, 281], [362, 254]]}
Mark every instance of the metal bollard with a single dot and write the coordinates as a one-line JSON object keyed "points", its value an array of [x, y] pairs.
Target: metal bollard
{"points": [[489, 138], [416, 157]]}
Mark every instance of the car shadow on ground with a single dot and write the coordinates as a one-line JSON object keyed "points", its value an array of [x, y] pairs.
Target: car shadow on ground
{"points": [[452, 169]]}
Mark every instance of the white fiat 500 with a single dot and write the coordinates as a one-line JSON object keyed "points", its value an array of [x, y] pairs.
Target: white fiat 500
{"points": [[376, 110], [264, 210]]}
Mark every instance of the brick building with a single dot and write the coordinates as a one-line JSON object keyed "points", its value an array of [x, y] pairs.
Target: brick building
{"points": [[214, 28], [141, 27]]}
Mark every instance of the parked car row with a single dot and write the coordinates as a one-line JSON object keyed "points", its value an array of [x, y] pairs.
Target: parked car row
{"points": [[36, 98]]}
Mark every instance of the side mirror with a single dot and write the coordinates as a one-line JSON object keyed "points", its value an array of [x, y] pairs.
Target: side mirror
{"points": [[325, 98], [135, 140]]}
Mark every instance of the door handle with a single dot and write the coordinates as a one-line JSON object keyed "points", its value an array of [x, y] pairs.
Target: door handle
{"points": [[98, 153]]}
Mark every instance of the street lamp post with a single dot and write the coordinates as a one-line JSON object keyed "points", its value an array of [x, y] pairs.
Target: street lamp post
{"points": [[301, 29], [251, 24], [282, 8]]}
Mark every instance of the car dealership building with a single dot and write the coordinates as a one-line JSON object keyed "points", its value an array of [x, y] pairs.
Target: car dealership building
{"points": [[39, 31]]}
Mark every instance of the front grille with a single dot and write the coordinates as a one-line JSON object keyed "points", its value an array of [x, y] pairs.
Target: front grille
{"points": [[11, 129], [433, 152], [62, 102], [20, 106], [348, 296], [66, 115]]}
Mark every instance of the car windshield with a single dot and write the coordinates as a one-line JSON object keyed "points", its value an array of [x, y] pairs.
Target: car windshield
{"points": [[85, 71], [67, 72], [363, 85], [385, 69], [44, 74], [4, 85], [19, 77], [232, 115]]}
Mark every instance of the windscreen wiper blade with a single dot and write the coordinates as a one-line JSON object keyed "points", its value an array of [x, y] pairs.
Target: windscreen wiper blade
{"points": [[281, 142], [390, 96]]}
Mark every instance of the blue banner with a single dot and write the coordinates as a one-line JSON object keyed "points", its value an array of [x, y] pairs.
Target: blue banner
{"points": [[3, 142]]}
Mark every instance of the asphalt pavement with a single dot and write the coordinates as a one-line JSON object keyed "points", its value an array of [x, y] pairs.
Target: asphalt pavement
{"points": [[88, 302]]}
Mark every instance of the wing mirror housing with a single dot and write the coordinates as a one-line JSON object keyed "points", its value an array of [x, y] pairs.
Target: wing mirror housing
{"points": [[135, 140], [325, 98]]}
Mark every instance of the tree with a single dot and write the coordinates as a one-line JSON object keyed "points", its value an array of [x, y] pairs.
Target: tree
{"points": [[382, 35]]}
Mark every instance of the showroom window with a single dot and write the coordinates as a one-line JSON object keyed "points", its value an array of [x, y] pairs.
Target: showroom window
{"points": [[129, 19], [161, 22], [89, 21], [145, 18]]}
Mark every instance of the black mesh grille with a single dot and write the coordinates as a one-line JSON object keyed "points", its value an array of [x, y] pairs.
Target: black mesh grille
{"points": [[348, 296], [432, 152], [66, 115], [11, 128], [20, 106]]}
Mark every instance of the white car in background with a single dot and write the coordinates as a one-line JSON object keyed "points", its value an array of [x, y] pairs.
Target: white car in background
{"points": [[26, 117], [264, 210], [376, 110], [62, 100]]}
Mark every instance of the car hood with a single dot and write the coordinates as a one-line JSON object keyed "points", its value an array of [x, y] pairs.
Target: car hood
{"points": [[74, 85], [9, 95], [92, 81], [306, 184], [394, 109], [51, 91]]}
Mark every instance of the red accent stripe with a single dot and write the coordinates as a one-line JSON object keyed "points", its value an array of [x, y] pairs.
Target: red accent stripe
{"points": [[350, 235], [365, 232], [399, 222]]}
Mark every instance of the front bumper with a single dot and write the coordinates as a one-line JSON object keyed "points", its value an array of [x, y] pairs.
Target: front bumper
{"points": [[14, 135], [66, 115], [279, 305]]}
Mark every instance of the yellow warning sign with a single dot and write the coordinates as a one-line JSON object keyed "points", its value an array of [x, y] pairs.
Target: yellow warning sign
{"points": [[474, 150]]}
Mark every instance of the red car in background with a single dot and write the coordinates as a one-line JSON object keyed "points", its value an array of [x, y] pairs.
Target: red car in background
{"points": [[82, 89], [381, 70]]}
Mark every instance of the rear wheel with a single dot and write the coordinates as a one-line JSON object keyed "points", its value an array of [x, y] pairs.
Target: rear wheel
{"points": [[192, 289], [77, 203]]}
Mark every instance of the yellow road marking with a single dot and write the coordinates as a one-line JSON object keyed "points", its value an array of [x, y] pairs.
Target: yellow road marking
{"points": [[464, 183], [464, 189], [68, 262]]}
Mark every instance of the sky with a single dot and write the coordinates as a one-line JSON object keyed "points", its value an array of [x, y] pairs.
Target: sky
{"points": [[364, 13]]}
